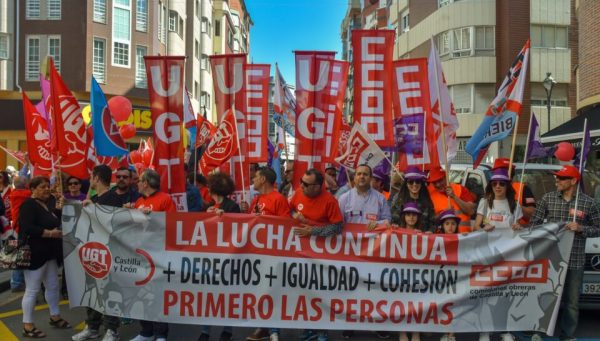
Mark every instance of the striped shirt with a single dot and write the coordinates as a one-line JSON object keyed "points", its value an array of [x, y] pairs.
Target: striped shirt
{"points": [[553, 209]]}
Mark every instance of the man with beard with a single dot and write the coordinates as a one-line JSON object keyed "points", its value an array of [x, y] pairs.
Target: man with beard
{"points": [[123, 189]]}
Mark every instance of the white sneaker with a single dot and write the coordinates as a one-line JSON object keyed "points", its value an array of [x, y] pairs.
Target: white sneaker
{"points": [[111, 336], [161, 339], [86, 334], [142, 338], [445, 337], [507, 337], [274, 337], [484, 336]]}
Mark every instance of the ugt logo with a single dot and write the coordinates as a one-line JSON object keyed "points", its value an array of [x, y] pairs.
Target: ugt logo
{"points": [[96, 259], [356, 146]]}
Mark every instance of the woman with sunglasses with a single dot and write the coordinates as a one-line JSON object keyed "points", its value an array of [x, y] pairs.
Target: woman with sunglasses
{"points": [[498, 209], [74, 189], [414, 190]]}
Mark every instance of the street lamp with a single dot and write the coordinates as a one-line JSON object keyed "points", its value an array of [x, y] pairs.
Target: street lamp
{"points": [[549, 85]]}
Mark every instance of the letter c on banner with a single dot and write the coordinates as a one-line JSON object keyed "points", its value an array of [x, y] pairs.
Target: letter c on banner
{"points": [[237, 79], [168, 133], [317, 127], [173, 81]]}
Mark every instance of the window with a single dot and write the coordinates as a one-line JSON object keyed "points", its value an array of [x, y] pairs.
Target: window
{"points": [[32, 9], [217, 28], [141, 15], [54, 50], [204, 62], [549, 36], [121, 33], [173, 21], [180, 28], [444, 43], [196, 90], [98, 60], [230, 38], [461, 42], [196, 49], [54, 9], [100, 11], [162, 22], [484, 37], [205, 26], [32, 65], [205, 100], [461, 97], [140, 67], [540, 98], [3, 47], [404, 23]]}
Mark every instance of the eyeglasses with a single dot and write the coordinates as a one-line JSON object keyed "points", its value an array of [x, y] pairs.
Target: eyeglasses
{"points": [[498, 183], [413, 182], [305, 184], [122, 176], [73, 183], [562, 178]]}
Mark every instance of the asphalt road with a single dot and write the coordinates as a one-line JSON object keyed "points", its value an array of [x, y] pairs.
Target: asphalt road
{"points": [[11, 317]]}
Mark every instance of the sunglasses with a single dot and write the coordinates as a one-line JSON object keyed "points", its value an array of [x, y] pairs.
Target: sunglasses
{"points": [[73, 183], [306, 184], [498, 183], [122, 176], [562, 178], [412, 182]]}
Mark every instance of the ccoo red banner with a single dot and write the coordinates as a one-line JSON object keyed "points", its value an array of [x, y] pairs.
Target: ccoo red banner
{"points": [[320, 88], [165, 87], [373, 54], [411, 97], [256, 86]]}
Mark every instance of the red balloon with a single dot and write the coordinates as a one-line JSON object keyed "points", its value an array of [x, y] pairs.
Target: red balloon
{"points": [[564, 151], [120, 108], [127, 131], [147, 157], [136, 156], [139, 167]]}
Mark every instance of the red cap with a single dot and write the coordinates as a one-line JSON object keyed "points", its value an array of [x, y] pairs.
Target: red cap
{"points": [[436, 174], [502, 162], [569, 171]]}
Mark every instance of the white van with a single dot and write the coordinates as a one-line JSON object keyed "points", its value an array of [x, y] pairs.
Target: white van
{"points": [[540, 179]]}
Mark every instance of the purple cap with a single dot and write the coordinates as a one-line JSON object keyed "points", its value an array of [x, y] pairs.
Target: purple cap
{"points": [[411, 207], [414, 173], [448, 214], [500, 174]]}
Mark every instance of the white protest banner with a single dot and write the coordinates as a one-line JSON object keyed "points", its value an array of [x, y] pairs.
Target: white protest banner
{"points": [[246, 270]]}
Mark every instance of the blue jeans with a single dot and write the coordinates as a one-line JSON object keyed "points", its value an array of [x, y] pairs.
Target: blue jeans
{"points": [[569, 312], [17, 279]]}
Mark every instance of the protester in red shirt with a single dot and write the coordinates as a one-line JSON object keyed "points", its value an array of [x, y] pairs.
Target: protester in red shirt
{"points": [[269, 201], [153, 199], [202, 185]]}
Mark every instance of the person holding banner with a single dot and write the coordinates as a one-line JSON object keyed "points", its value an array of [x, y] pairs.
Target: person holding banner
{"points": [[414, 190], [581, 214], [523, 192], [123, 189], [454, 196], [152, 199]]}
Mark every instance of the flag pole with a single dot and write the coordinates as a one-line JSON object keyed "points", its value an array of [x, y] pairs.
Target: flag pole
{"points": [[444, 150], [237, 139], [514, 145], [524, 159], [580, 168]]}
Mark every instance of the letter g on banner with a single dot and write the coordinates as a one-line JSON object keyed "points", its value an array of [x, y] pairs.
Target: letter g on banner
{"points": [[168, 127], [317, 129]]}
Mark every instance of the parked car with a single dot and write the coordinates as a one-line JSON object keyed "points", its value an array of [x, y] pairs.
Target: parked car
{"points": [[540, 178]]}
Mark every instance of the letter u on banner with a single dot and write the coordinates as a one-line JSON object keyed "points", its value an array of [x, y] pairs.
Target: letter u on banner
{"points": [[165, 87], [228, 81], [373, 54]]}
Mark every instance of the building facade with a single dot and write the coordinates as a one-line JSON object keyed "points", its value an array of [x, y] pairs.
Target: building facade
{"points": [[106, 39]]}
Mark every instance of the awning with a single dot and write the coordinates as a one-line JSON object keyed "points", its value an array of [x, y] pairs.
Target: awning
{"points": [[573, 129]]}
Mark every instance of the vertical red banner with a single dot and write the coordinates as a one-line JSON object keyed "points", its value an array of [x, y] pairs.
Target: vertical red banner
{"points": [[38, 139], [411, 97], [165, 87], [320, 87], [373, 55], [256, 87]]}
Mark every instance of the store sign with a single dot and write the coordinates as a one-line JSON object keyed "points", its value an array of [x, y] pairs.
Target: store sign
{"points": [[141, 119]]}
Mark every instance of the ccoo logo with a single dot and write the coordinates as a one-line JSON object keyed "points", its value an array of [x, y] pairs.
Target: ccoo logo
{"points": [[95, 259]]}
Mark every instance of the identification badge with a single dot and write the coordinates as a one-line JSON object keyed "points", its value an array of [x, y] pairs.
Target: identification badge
{"points": [[496, 217], [371, 216]]}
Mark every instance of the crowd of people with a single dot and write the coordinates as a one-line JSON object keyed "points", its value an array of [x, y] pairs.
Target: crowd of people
{"points": [[30, 210]]}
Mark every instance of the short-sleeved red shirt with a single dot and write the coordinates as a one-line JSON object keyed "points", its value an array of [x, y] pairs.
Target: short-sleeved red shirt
{"points": [[273, 203], [322, 209], [157, 201]]}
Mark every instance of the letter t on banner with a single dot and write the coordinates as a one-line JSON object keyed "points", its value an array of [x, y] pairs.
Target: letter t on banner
{"points": [[165, 87]]}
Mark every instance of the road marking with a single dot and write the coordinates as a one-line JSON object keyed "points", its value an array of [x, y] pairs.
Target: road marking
{"points": [[6, 334], [20, 311]]}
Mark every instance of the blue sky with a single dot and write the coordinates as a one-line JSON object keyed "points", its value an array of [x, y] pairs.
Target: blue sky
{"points": [[282, 26]]}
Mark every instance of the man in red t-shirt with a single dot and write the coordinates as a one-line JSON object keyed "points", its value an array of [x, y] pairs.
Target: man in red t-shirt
{"points": [[153, 200], [312, 204], [268, 201]]}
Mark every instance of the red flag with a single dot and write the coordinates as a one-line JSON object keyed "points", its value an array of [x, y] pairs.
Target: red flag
{"points": [[165, 86], [411, 97], [38, 139], [69, 139], [205, 130], [223, 145], [320, 87], [15, 154], [344, 135], [373, 54], [256, 110]]}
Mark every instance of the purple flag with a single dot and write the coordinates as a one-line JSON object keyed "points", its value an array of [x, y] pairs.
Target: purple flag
{"points": [[271, 150], [536, 148], [584, 150], [409, 130]]}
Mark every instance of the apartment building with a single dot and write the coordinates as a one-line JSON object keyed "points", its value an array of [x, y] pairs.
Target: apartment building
{"points": [[352, 21]]}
